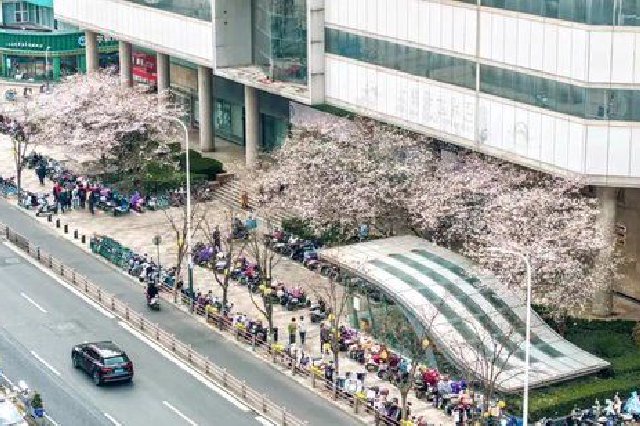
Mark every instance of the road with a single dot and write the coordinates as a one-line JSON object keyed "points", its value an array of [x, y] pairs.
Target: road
{"points": [[260, 376], [41, 320]]}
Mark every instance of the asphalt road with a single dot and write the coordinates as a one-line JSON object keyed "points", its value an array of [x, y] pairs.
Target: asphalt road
{"points": [[261, 377], [41, 320]]}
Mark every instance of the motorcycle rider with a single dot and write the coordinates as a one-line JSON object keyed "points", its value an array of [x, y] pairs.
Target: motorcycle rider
{"points": [[152, 291]]}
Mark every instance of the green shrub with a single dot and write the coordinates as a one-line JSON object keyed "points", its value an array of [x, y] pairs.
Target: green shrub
{"points": [[299, 228], [193, 156], [200, 165]]}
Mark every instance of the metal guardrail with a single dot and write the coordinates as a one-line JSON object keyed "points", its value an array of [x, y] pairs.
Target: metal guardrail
{"points": [[255, 400]]}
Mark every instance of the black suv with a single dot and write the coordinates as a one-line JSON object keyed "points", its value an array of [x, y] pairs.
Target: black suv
{"points": [[104, 361]]}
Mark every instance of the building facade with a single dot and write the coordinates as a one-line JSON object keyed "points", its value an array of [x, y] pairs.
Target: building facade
{"points": [[549, 84], [34, 46]]}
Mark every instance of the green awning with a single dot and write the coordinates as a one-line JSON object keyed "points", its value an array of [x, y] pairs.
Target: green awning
{"points": [[43, 3]]}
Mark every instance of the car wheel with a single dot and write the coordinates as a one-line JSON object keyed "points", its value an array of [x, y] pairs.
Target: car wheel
{"points": [[96, 378], [76, 361]]}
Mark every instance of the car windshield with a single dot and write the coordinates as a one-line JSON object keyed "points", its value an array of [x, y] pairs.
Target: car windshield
{"points": [[116, 360]]}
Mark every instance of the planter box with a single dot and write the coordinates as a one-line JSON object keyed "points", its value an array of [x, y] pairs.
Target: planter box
{"points": [[224, 177]]}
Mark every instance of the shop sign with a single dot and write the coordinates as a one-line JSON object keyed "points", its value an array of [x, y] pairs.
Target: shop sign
{"points": [[82, 41], [24, 44]]}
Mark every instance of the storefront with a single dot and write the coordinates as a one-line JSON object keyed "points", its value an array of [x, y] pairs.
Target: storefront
{"points": [[36, 56]]}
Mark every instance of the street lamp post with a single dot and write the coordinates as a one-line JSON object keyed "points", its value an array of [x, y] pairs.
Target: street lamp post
{"points": [[188, 236], [46, 65], [525, 397]]}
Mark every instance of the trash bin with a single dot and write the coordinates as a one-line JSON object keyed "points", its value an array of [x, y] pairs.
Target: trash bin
{"points": [[275, 335]]}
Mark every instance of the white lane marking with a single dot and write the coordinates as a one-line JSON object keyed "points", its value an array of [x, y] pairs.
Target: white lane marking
{"points": [[53, 422], [175, 410], [264, 421], [60, 281], [188, 370], [111, 419], [45, 363], [30, 300]]}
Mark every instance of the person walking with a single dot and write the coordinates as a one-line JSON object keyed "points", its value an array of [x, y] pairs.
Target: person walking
{"points": [[302, 330], [91, 202], [41, 171], [292, 327]]}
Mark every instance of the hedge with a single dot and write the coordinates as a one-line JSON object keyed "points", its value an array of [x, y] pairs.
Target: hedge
{"points": [[200, 165]]}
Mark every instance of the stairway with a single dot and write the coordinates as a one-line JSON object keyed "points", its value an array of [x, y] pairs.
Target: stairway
{"points": [[229, 194]]}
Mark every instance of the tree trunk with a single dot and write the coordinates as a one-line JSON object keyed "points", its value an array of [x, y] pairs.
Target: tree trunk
{"points": [[404, 393]]}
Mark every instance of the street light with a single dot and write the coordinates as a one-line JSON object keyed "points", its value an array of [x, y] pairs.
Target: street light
{"points": [[188, 167], [46, 65], [525, 259]]}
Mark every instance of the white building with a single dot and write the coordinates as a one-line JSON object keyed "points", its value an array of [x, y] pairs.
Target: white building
{"points": [[549, 84]]}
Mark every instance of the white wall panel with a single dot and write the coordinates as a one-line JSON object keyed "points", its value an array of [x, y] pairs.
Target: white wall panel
{"points": [[561, 145], [372, 15], [445, 110], [550, 52], [510, 40], [469, 123], [414, 21], [423, 27], [508, 128], [576, 147], [537, 49], [564, 51], [425, 103], [497, 38], [596, 153], [382, 16], [599, 56], [342, 13], [635, 153], [578, 54], [485, 35], [180, 36], [548, 138], [361, 84], [457, 113], [434, 24], [413, 101], [352, 95], [361, 11], [392, 19], [619, 143], [391, 105], [459, 29], [351, 18], [623, 48], [521, 132], [524, 43], [496, 132], [447, 28], [535, 135], [402, 97], [470, 28]]}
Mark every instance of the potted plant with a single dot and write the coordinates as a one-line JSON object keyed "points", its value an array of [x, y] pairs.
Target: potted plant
{"points": [[36, 405]]}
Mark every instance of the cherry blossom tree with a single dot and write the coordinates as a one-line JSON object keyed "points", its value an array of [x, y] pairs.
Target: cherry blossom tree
{"points": [[94, 116], [339, 174], [343, 175]]}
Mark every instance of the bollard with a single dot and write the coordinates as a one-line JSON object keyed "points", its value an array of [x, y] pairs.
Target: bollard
{"points": [[244, 390], [57, 223], [75, 234], [50, 262], [224, 377], [206, 368], [157, 334], [38, 253], [62, 269], [313, 379], [356, 402], [126, 312], [141, 323], [66, 228], [113, 303], [253, 342], [83, 239], [49, 218], [264, 404], [293, 362], [284, 416], [73, 277], [99, 291]]}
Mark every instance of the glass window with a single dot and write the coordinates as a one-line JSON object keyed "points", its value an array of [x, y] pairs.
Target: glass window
{"points": [[594, 12], [200, 9], [22, 12]]}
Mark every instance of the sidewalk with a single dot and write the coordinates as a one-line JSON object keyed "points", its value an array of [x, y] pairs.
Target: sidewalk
{"points": [[137, 230]]}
